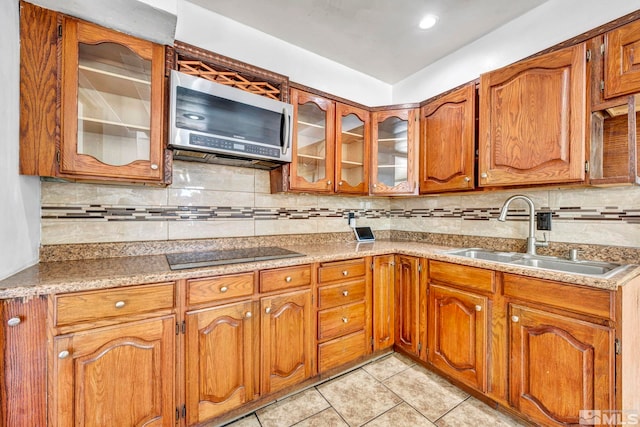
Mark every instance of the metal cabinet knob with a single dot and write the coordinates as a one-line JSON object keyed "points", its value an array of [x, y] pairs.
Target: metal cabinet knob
{"points": [[154, 166], [224, 289], [515, 319], [14, 321], [63, 354], [345, 320], [267, 310], [345, 293], [329, 182], [287, 279], [483, 175], [375, 185], [120, 304], [345, 273], [478, 307], [248, 315], [467, 179]]}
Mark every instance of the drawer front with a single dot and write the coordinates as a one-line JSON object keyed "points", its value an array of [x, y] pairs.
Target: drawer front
{"points": [[340, 270], [342, 350], [590, 301], [283, 278], [342, 320], [472, 278], [210, 289], [97, 305], [340, 294]]}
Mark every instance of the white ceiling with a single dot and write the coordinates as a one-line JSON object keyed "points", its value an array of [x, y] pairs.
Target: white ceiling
{"points": [[380, 38]]}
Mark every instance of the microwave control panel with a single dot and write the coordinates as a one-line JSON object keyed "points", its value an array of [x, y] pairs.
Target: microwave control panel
{"points": [[215, 143]]}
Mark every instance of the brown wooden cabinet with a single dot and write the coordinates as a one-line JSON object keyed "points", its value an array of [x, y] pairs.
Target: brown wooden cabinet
{"points": [[116, 375], [621, 75], [353, 141], [533, 120], [107, 123], [447, 142], [383, 301], [409, 304], [286, 340], [394, 150], [219, 360]]}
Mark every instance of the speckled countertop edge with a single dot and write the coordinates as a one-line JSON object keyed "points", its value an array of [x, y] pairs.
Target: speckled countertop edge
{"points": [[80, 275]]}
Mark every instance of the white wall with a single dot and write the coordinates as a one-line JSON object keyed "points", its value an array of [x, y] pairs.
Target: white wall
{"points": [[19, 195], [208, 30], [548, 24]]}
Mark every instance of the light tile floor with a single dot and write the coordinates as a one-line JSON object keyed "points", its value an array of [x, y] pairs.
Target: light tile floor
{"points": [[392, 391]]}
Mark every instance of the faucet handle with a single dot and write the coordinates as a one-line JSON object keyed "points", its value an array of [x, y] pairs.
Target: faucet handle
{"points": [[544, 243], [573, 254]]}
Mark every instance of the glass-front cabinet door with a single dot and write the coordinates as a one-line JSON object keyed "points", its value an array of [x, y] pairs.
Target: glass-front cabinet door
{"points": [[314, 143], [393, 160], [352, 149], [112, 103]]}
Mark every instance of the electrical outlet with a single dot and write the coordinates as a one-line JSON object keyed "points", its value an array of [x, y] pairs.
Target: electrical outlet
{"points": [[543, 220], [351, 219]]}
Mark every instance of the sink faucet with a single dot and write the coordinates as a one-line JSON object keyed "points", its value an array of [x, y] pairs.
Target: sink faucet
{"points": [[531, 240]]}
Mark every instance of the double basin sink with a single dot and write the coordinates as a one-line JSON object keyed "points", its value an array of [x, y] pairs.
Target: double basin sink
{"points": [[549, 263]]}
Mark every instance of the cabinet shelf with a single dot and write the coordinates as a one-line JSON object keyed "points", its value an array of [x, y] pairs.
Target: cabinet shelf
{"points": [[313, 125], [114, 83], [310, 156], [99, 126], [392, 139]]}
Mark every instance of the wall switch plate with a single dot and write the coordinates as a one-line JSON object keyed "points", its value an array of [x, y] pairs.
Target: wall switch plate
{"points": [[543, 220]]}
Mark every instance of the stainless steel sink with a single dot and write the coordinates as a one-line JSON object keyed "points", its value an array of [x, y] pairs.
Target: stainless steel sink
{"points": [[589, 268]]}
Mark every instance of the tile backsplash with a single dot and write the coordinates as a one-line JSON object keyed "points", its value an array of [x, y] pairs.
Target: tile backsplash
{"points": [[211, 201]]}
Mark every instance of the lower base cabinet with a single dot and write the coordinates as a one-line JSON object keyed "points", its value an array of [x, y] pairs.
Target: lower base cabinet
{"points": [[121, 375]]}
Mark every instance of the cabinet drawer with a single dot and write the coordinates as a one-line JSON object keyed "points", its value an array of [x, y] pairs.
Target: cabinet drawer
{"points": [[341, 350], [97, 305], [341, 320], [331, 271], [597, 302], [283, 278], [341, 293], [212, 289], [461, 275]]}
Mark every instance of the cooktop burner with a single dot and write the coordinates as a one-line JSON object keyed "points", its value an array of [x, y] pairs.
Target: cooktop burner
{"points": [[185, 260]]}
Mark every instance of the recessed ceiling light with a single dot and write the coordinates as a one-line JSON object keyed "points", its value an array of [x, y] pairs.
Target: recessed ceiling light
{"points": [[428, 21]]}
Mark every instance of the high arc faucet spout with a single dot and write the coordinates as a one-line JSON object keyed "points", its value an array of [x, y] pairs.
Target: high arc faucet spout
{"points": [[531, 239]]}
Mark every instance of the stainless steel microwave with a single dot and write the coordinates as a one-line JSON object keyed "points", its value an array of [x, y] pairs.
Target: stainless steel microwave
{"points": [[214, 123]]}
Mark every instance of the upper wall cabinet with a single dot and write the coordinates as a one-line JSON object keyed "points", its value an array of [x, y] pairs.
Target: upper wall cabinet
{"points": [[393, 152], [447, 142], [353, 130], [313, 142], [110, 121], [622, 62], [533, 119]]}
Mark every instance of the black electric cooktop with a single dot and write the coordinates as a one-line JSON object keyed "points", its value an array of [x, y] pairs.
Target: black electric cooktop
{"points": [[185, 260]]}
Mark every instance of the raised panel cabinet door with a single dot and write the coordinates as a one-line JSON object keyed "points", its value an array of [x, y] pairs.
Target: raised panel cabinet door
{"points": [[219, 360], [383, 296], [622, 63], [533, 120], [393, 151], [353, 140], [553, 356], [286, 340], [112, 104], [121, 375], [447, 143], [407, 303], [457, 334], [312, 165]]}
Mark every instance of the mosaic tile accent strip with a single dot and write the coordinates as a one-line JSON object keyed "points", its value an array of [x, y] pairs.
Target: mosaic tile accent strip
{"points": [[212, 213]]}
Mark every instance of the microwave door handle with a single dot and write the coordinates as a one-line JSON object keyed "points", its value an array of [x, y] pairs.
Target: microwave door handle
{"points": [[285, 137]]}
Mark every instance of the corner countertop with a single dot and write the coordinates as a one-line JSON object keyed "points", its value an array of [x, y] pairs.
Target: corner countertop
{"points": [[70, 276]]}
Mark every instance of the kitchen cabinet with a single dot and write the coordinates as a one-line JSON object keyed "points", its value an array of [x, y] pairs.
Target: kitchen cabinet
{"points": [[458, 319], [448, 143], [532, 119], [110, 109], [393, 151], [312, 166], [383, 301], [621, 74], [344, 313], [353, 136], [409, 304]]}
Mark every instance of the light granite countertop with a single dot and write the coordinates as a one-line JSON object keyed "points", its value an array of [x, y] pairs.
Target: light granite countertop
{"points": [[78, 275]]}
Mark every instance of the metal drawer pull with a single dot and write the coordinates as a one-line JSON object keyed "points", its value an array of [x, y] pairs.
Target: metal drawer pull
{"points": [[478, 308], [120, 304], [63, 354], [345, 273], [345, 320], [224, 289], [345, 293], [287, 279], [14, 321], [248, 315], [267, 310], [515, 319], [154, 166]]}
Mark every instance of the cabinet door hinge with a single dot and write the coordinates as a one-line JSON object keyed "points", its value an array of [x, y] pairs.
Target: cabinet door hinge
{"points": [[602, 48], [58, 156], [184, 411], [601, 85], [183, 329], [177, 414], [371, 266], [586, 167], [419, 346], [617, 346], [588, 55], [419, 268], [177, 328], [59, 30]]}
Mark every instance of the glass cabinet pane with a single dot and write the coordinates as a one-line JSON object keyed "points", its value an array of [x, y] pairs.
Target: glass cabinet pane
{"points": [[392, 151], [311, 147], [114, 102], [352, 142]]}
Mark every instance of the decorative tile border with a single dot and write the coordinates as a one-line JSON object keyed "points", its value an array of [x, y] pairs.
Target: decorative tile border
{"points": [[212, 213]]}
